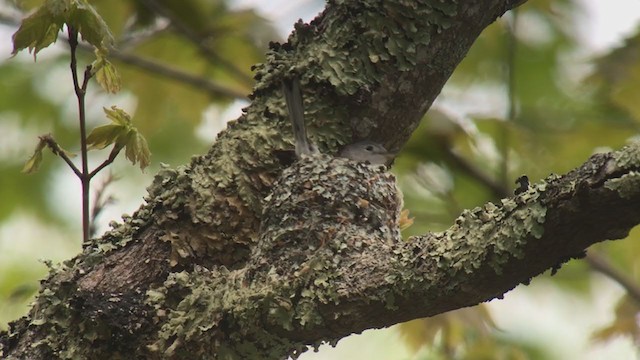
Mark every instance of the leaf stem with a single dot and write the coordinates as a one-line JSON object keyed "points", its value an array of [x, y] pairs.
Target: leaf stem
{"points": [[112, 156]]}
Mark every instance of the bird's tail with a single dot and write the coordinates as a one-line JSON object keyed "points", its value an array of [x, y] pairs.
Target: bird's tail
{"points": [[293, 97]]}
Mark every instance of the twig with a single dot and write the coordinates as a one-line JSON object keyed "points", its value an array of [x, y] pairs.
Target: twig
{"points": [[503, 141], [211, 87], [188, 33], [132, 37], [600, 264], [153, 67], [57, 150], [476, 173], [99, 203], [112, 156], [81, 91]]}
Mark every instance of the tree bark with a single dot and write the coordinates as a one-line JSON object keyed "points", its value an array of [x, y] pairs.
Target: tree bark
{"points": [[236, 255]]}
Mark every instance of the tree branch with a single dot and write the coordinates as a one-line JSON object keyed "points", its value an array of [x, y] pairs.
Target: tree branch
{"points": [[169, 72], [81, 91], [100, 202], [234, 256], [153, 67], [323, 261], [58, 151], [498, 189], [112, 156], [189, 34]]}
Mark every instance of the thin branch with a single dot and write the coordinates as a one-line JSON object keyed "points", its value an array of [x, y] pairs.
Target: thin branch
{"points": [[57, 150], [112, 156], [498, 189], [600, 264], [212, 87], [132, 37], [81, 91], [154, 67], [503, 141], [188, 33], [100, 202]]}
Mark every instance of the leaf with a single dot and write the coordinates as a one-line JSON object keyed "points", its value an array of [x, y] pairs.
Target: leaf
{"points": [[37, 31], [405, 221], [617, 75], [106, 74], [114, 133], [105, 135], [137, 149], [90, 25], [41, 28], [122, 134], [35, 160], [451, 329]]}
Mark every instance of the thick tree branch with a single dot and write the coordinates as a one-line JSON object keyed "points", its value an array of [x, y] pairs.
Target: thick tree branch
{"points": [[324, 266], [232, 256]]}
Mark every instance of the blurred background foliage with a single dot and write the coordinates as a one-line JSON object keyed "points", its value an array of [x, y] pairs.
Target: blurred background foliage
{"points": [[528, 99]]}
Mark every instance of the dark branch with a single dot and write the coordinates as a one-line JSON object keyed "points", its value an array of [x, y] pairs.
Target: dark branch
{"points": [[186, 31], [58, 151]]}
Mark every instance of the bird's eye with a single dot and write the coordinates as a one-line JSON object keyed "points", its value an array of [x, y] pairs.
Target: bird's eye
{"points": [[369, 148]]}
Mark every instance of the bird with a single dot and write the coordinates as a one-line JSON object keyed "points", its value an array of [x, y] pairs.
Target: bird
{"points": [[365, 151]]}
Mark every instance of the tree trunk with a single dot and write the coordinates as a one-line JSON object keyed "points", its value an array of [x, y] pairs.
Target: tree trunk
{"points": [[237, 255]]}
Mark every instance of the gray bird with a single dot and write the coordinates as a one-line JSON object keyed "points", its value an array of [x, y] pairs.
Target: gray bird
{"points": [[363, 151], [367, 151]]}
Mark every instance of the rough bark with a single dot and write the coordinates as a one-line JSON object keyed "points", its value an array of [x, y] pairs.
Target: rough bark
{"points": [[234, 256]]}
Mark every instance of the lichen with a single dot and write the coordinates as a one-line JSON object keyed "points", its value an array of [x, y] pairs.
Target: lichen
{"points": [[487, 236], [351, 49], [626, 185], [628, 157], [321, 217], [324, 215]]}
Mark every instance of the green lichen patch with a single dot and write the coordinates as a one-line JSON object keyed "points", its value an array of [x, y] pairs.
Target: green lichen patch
{"points": [[353, 49], [626, 186], [326, 221], [490, 235], [628, 157], [326, 203], [214, 313]]}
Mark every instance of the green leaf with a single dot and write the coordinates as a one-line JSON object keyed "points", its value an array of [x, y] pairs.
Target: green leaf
{"points": [[137, 149], [90, 25], [37, 31], [105, 135], [35, 160], [118, 116], [106, 74], [122, 134], [41, 28], [114, 133]]}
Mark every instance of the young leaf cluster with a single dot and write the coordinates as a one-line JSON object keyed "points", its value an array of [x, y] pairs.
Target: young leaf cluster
{"points": [[41, 28]]}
